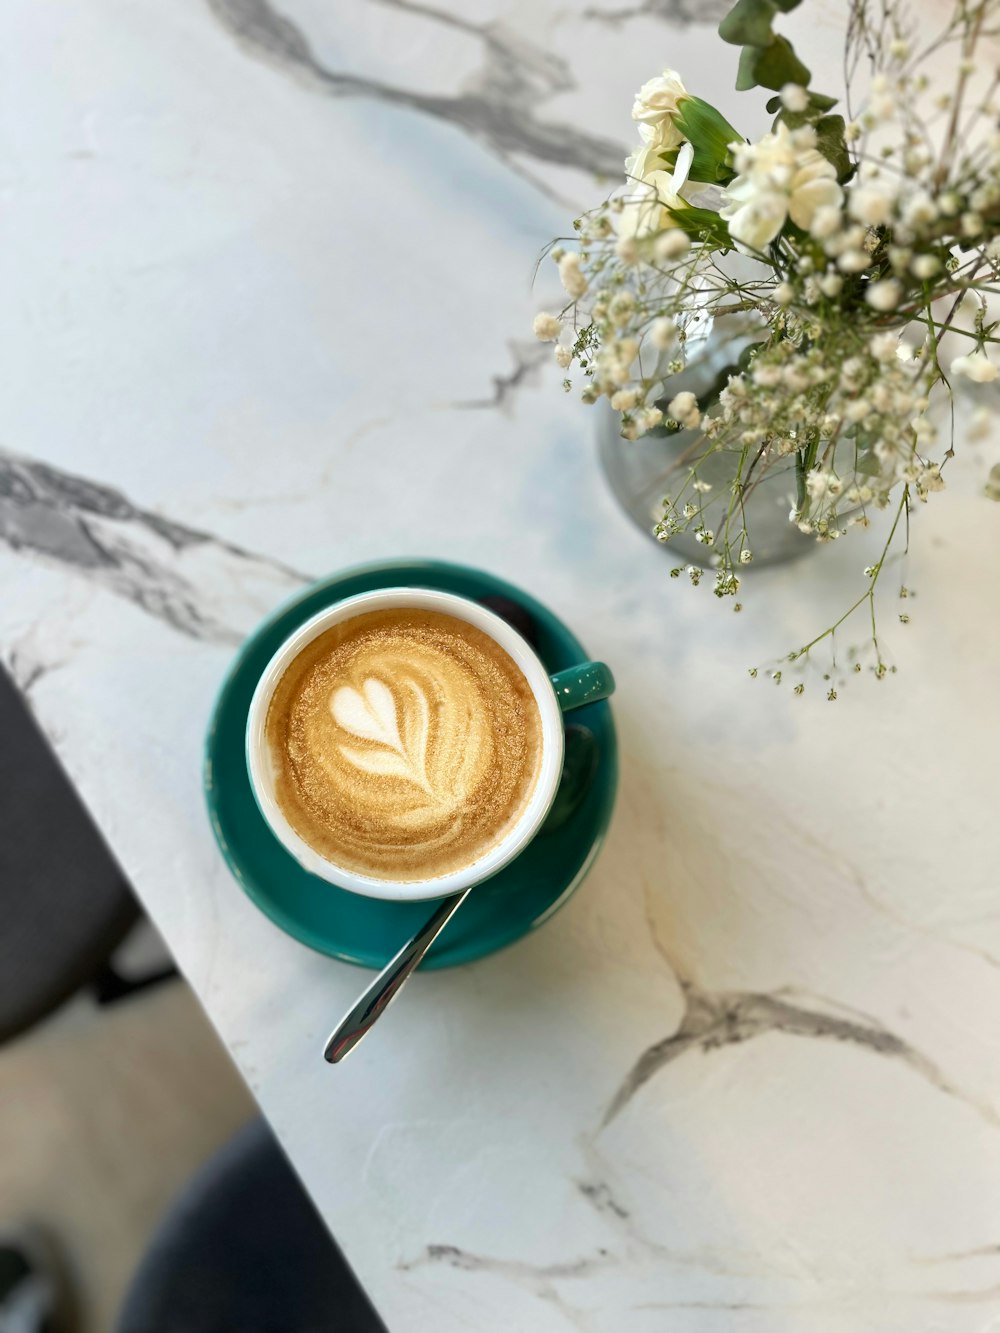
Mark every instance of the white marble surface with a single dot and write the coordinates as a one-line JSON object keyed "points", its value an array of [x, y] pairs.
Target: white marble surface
{"points": [[265, 280]]}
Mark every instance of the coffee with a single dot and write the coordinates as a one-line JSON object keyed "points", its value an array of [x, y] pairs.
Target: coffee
{"points": [[405, 744]]}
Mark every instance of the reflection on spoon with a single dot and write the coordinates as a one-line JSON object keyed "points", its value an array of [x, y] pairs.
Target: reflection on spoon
{"points": [[390, 981]]}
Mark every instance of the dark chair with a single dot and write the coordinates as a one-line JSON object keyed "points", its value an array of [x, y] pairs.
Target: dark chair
{"points": [[64, 904], [244, 1251]]}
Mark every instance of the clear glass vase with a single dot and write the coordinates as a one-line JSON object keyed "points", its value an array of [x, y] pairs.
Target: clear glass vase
{"points": [[642, 472]]}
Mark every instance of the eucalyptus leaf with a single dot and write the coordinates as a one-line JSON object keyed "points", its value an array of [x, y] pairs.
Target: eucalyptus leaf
{"points": [[831, 143], [748, 23], [746, 75], [778, 64]]}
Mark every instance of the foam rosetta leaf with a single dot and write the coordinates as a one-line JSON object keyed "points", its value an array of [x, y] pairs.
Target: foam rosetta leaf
{"points": [[371, 714]]}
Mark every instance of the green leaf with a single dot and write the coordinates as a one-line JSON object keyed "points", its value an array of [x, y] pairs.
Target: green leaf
{"points": [[831, 143], [695, 221], [706, 169], [778, 64], [748, 23], [746, 76], [710, 134]]}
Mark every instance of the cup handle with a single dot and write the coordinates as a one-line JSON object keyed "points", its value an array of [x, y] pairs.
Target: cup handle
{"points": [[583, 684]]}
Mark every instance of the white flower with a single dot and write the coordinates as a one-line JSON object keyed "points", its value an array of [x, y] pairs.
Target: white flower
{"points": [[929, 479], [794, 97], [884, 295], [920, 209], [767, 376], [826, 222], [854, 261], [830, 284], [883, 346], [782, 176], [784, 293], [624, 399], [975, 366], [662, 331], [564, 357], [546, 327], [823, 484], [925, 266], [570, 275], [656, 104], [684, 409], [899, 257], [646, 159], [620, 308], [857, 409], [755, 224], [671, 245], [649, 207], [870, 204]]}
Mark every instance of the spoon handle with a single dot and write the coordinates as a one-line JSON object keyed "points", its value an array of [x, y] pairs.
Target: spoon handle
{"points": [[389, 982]]}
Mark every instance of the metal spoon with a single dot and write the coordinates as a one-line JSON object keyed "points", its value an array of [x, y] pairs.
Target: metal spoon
{"points": [[390, 981]]}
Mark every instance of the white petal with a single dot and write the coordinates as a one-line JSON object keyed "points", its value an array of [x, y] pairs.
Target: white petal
{"points": [[805, 200]]}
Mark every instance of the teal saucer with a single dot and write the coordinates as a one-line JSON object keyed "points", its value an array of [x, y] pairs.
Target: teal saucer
{"points": [[369, 931]]}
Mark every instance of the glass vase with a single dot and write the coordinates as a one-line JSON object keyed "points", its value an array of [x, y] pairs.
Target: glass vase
{"points": [[642, 472]]}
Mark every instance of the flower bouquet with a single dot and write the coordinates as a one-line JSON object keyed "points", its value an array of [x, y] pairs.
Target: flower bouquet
{"points": [[845, 261]]}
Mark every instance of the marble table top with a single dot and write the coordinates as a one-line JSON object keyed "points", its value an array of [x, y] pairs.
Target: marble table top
{"points": [[266, 270]]}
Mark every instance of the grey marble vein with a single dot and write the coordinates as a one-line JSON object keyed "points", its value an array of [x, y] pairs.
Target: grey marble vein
{"points": [[25, 671], [960, 1256], [528, 358], [725, 1018], [455, 1257], [603, 1201], [154, 562], [499, 105], [677, 13]]}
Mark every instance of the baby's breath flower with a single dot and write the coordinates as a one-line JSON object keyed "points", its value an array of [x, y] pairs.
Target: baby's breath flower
{"points": [[623, 400], [794, 97], [662, 333], [830, 284], [853, 261], [620, 308], [975, 366], [826, 222], [884, 295], [546, 327], [871, 204], [683, 408], [671, 245], [571, 276], [925, 266]]}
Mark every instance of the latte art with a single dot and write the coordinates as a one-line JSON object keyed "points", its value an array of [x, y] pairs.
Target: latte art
{"points": [[371, 713], [405, 743]]}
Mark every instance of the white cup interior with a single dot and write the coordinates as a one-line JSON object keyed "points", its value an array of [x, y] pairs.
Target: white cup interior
{"points": [[261, 768]]}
